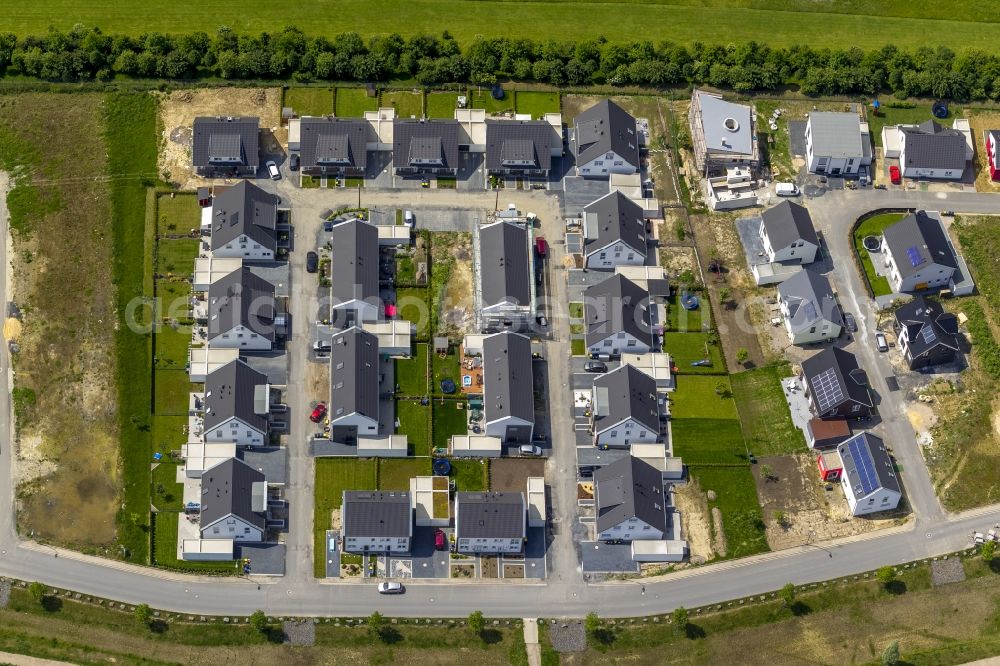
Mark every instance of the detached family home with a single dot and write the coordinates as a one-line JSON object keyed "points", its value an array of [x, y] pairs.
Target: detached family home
{"points": [[376, 522], [630, 501], [928, 150], [722, 133], [788, 234], [236, 405], [918, 254], [241, 312], [868, 478], [233, 502], [606, 141], [618, 318], [333, 146], [354, 381], [490, 522], [425, 147], [809, 308], [836, 386], [504, 280], [925, 334], [520, 148], [508, 388], [354, 258], [626, 408], [837, 144], [615, 232], [244, 221], [226, 147]]}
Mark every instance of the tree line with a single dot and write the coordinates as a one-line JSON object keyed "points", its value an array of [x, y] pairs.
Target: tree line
{"points": [[87, 54]]}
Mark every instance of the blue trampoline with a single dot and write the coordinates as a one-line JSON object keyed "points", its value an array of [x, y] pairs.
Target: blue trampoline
{"points": [[441, 467], [689, 301]]}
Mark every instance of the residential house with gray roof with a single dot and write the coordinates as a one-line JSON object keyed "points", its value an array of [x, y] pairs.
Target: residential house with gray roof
{"points": [[837, 143], [619, 318], [233, 502], [333, 146], [926, 335], [504, 279], [625, 408], [354, 382], [836, 386], [630, 501], [425, 147], [809, 308], [236, 405], [606, 140], [869, 477], [244, 223], [615, 232], [490, 522], [520, 148], [354, 286], [788, 234], [508, 387], [722, 133], [226, 147], [375, 521], [927, 150], [241, 312], [917, 253]]}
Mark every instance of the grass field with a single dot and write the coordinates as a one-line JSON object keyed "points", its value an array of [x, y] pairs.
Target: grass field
{"points": [[907, 116], [310, 101], [699, 397], [784, 22], [333, 477], [679, 319], [414, 422], [171, 392], [767, 424], [168, 433], [736, 498], [874, 226], [167, 494], [176, 257], [171, 346], [414, 306], [536, 103], [395, 473], [448, 367], [709, 441], [686, 348], [448, 420], [441, 104], [165, 548], [470, 475], [406, 103], [411, 373], [353, 102], [177, 215], [480, 98]]}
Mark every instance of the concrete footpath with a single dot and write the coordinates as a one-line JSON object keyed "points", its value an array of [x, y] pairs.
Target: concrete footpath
{"points": [[531, 642]]}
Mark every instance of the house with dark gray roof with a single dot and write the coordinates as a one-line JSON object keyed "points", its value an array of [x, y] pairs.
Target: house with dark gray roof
{"points": [[869, 476], [809, 308], [425, 147], [233, 502], [630, 501], [625, 408], [333, 146], [244, 223], [788, 234], [520, 148], [836, 386], [504, 279], [241, 312], [226, 147], [490, 522], [837, 143], [606, 140], [375, 521], [619, 318], [722, 133], [354, 287], [508, 387], [354, 382], [236, 405], [927, 150], [926, 335], [918, 254], [615, 232]]}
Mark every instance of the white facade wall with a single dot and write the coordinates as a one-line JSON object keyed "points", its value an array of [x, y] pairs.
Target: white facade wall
{"points": [[632, 529], [930, 276], [620, 343], [244, 248], [800, 251], [366, 425], [236, 431], [240, 337], [364, 311], [821, 330], [882, 499], [498, 428], [377, 544], [490, 545], [233, 528], [606, 165], [625, 433], [616, 254]]}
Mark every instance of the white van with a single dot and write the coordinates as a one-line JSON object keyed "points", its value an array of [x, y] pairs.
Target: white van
{"points": [[786, 190], [408, 218]]}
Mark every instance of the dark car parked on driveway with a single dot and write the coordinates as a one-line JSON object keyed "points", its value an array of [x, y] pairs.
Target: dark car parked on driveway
{"points": [[849, 322], [312, 262], [595, 366]]}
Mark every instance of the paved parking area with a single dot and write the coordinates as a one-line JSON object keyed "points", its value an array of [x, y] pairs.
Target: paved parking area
{"points": [[332, 554], [266, 559], [272, 364], [579, 192], [797, 137], [599, 557], [424, 560], [471, 172]]}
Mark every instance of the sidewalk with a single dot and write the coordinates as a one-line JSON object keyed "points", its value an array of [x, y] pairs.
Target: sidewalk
{"points": [[531, 642]]}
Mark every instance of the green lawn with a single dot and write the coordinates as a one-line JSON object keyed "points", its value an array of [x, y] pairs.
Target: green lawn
{"points": [[310, 101], [171, 346], [406, 270], [698, 396], [411, 373], [168, 433], [174, 298], [708, 441], [406, 103], [767, 424], [679, 319], [176, 256], [905, 116], [333, 477], [448, 420], [177, 215], [448, 367], [685, 348], [470, 475], [171, 389], [165, 548], [395, 473], [414, 422], [167, 494], [778, 154], [736, 498], [310, 183], [874, 226], [576, 310], [536, 103], [441, 104], [353, 102], [578, 347], [481, 98], [414, 306]]}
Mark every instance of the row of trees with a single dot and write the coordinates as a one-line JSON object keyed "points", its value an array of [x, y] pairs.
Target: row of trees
{"points": [[83, 54]]}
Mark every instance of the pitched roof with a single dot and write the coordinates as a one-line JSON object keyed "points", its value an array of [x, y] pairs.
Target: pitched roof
{"points": [[425, 143], [228, 489], [728, 127], [788, 223], [927, 326], [232, 392], [916, 240], [617, 304], [504, 260], [834, 378], [508, 377], [224, 141], [611, 218], [241, 298], [930, 146], [629, 488], [244, 209], [490, 515], [512, 143], [606, 127], [836, 134], [354, 373], [354, 262], [327, 141], [625, 393], [809, 299], [369, 513], [867, 465]]}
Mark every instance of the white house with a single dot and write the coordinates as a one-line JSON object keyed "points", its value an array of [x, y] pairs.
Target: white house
{"points": [[244, 222], [490, 522], [837, 143], [918, 254], [241, 312], [869, 479], [722, 133], [615, 232], [376, 522], [788, 234], [927, 150], [354, 381], [619, 318], [508, 393], [625, 409], [606, 141], [630, 501], [236, 405], [233, 502], [354, 254], [810, 309]]}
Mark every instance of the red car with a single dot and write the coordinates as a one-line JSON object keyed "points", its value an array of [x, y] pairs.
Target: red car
{"points": [[541, 246], [318, 413], [894, 175], [440, 540]]}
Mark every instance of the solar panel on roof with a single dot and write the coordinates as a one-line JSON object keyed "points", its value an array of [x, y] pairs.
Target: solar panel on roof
{"points": [[914, 254], [827, 389], [864, 464], [928, 334]]}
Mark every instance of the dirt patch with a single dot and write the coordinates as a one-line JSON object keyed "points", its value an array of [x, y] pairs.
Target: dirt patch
{"points": [[695, 524], [719, 532], [463, 570], [510, 474], [573, 105], [513, 571], [451, 254], [677, 259], [318, 381], [179, 109], [981, 121], [489, 566]]}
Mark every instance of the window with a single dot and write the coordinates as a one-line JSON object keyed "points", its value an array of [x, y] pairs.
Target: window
{"points": [[630, 343], [614, 433], [646, 528], [856, 408], [642, 433], [246, 530], [249, 434]]}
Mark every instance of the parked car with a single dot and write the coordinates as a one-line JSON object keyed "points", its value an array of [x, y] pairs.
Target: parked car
{"points": [[272, 170], [318, 413], [786, 190], [595, 366], [849, 322], [293, 162], [408, 219], [541, 321], [894, 175], [328, 226], [440, 540], [880, 342], [529, 450], [391, 588], [541, 247], [312, 261]]}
